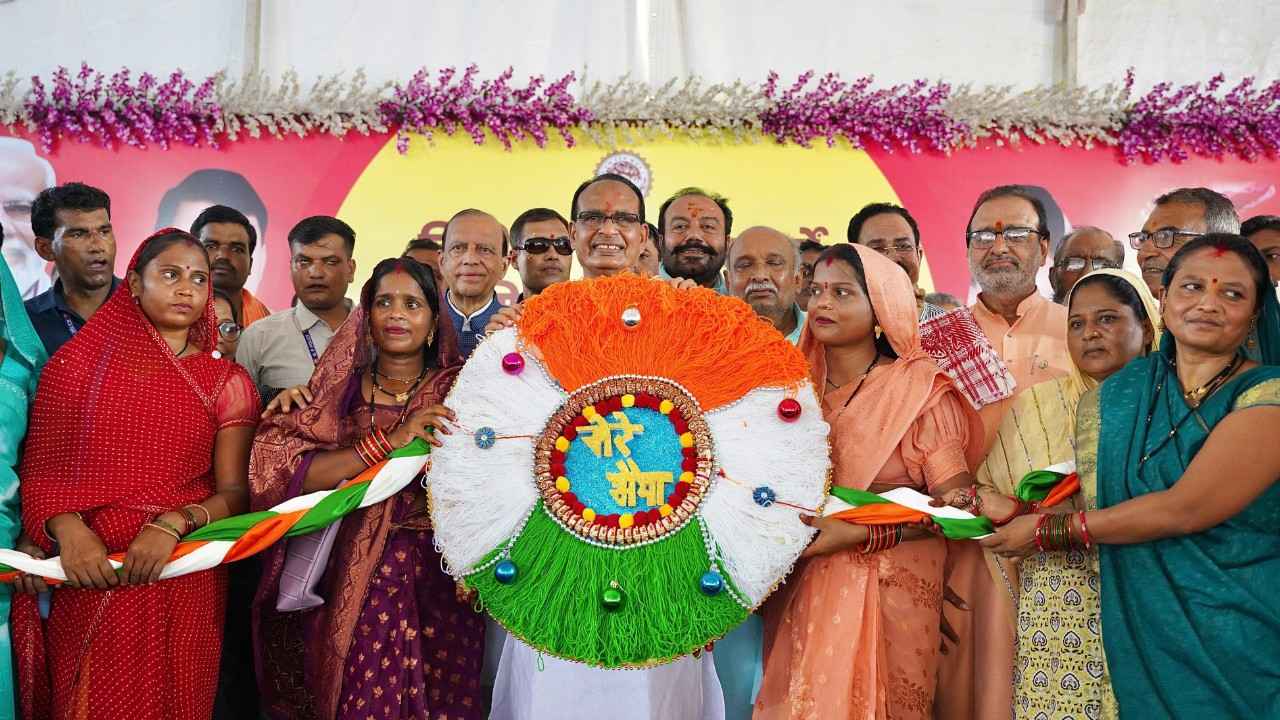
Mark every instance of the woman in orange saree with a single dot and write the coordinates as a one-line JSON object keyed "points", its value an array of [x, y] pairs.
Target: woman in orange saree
{"points": [[854, 633]]}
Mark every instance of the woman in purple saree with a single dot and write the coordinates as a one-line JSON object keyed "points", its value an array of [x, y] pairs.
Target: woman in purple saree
{"points": [[393, 638]]}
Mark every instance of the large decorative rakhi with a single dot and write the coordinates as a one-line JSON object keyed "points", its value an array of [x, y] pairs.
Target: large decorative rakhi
{"points": [[615, 492], [241, 536]]}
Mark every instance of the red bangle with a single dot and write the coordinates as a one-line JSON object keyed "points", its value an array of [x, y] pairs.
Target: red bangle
{"points": [[1039, 535], [1020, 508], [358, 446], [1084, 532], [383, 444]]}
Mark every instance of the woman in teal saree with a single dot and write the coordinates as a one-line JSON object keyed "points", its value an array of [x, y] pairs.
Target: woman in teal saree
{"points": [[1178, 452], [21, 357]]}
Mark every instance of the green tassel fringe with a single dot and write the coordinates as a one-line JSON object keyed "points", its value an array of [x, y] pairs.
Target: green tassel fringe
{"points": [[555, 602]]}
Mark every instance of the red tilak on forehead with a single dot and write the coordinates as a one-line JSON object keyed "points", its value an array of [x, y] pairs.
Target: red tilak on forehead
{"points": [[829, 261], [1219, 249], [999, 225]]}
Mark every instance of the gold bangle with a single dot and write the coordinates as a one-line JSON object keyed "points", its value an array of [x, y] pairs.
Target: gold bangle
{"points": [[48, 535], [208, 517], [165, 528]]}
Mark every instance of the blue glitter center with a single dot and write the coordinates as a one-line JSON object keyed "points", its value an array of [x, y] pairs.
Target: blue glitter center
{"points": [[655, 449]]}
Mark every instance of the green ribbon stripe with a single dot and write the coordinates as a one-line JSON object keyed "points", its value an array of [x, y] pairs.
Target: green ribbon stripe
{"points": [[953, 528], [1035, 485], [328, 510]]}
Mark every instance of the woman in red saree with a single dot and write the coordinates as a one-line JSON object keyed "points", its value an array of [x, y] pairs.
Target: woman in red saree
{"points": [[392, 638], [140, 432]]}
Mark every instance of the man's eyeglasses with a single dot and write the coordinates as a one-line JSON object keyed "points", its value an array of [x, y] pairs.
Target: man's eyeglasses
{"points": [[538, 246], [593, 220], [1076, 264], [901, 247], [1012, 235], [229, 329], [1163, 238]]}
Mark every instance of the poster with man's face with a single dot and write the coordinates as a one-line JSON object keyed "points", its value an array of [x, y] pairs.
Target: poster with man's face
{"points": [[23, 174]]}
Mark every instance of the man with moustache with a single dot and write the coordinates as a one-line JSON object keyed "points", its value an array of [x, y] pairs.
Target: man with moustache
{"points": [[764, 272], [540, 249], [608, 233], [695, 226], [1008, 241], [1179, 216], [891, 231], [282, 350], [473, 260], [72, 228], [231, 240], [1082, 251]]}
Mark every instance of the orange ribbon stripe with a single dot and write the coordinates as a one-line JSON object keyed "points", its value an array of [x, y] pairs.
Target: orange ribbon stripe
{"points": [[881, 514], [1065, 488], [263, 535]]}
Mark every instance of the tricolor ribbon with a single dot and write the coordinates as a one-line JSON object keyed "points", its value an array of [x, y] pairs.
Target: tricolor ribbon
{"points": [[1049, 486], [903, 505], [241, 536]]}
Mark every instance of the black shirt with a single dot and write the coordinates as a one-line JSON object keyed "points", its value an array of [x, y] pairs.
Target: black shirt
{"points": [[55, 322]]}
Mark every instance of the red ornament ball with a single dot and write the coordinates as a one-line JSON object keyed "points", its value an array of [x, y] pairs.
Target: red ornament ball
{"points": [[789, 410]]}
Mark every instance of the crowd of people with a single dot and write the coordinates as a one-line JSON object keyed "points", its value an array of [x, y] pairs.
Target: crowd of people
{"points": [[138, 409]]}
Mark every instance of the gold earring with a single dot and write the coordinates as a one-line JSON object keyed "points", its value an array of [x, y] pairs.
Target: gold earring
{"points": [[878, 331]]}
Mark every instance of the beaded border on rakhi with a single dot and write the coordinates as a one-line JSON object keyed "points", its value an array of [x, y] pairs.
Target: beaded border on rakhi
{"points": [[608, 395]]}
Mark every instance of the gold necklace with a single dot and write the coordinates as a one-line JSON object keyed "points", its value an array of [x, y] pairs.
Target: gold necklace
{"points": [[1196, 395], [400, 397]]}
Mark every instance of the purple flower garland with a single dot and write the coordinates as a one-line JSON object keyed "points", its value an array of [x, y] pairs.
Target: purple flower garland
{"points": [[511, 114], [899, 116], [1167, 123], [88, 108], [1173, 123]]}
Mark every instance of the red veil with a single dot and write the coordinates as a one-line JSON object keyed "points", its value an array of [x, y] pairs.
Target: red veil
{"points": [[299, 655], [120, 431]]}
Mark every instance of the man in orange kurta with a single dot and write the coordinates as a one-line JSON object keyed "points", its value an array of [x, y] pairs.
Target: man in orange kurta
{"points": [[1008, 241]]}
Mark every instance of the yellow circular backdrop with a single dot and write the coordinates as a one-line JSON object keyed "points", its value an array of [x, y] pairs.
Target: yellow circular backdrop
{"points": [[806, 193]]}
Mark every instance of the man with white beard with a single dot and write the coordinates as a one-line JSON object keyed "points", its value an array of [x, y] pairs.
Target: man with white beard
{"points": [[764, 272]]}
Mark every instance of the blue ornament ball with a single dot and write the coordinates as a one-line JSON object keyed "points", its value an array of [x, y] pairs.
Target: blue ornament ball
{"points": [[505, 572], [711, 583]]}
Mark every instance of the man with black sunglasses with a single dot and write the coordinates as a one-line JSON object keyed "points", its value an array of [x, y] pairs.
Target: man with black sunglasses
{"points": [[540, 250]]}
